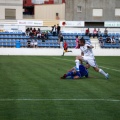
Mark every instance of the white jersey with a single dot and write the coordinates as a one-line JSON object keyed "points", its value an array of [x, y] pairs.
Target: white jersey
{"points": [[87, 51]]}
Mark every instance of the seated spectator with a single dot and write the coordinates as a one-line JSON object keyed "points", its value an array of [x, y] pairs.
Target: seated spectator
{"points": [[46, 35], [35, 43], [100, 39], [39, 35], [95, 33], [105, 32], [108, 39], [113, 41], [43, 37], [32, 44], [28, 43]]}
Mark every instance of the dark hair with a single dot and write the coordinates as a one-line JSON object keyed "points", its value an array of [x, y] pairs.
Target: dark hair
{"points": [[76, 36], [82, 40]]}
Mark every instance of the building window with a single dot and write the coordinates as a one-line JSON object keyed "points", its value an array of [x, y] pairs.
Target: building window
{"points": [[79, 8], [117, 12], [97, 12], [10, 13]]}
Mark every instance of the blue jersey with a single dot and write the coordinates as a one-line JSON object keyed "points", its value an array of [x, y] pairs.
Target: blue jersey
{"points": [[83, 71]]}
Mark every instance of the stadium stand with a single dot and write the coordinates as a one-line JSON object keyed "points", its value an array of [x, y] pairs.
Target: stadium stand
{"points": [[10, 39], [104, 44]]}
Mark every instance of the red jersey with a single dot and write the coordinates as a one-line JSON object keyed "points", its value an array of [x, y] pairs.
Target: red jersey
{"points": [[65, 45]]}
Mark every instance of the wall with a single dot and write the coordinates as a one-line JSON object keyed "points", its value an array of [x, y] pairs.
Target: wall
{"points": [[108, 7], [55, 52], [49, 11], [11, 4]]}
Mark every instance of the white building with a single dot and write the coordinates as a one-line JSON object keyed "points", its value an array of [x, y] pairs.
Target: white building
{"points": [[11, 9]]}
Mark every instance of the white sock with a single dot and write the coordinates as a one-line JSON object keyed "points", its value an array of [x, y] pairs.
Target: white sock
{"points": [[77, 64], [102, 72]]}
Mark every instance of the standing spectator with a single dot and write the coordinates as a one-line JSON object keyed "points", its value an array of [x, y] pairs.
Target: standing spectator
{"points": [[61, 40], [77, 42], [38, 31], [95, 32], [105, 32], [87, 32], [54, 30], [31, 33], [98, 32], [27, 32], [58, 29]]}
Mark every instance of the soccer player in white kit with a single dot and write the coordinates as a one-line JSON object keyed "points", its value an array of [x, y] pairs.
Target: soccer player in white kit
{"points": [[88, 57]]}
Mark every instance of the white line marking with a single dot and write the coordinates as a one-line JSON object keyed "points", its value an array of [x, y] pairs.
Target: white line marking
{"points": [[98, 65], [106, 100]]}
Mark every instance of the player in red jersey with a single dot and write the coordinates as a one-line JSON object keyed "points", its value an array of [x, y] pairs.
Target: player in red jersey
{"points": [[65, 45]]}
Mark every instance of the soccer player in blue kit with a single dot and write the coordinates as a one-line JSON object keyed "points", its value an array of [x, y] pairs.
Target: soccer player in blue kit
{"points": [[73, 74]]}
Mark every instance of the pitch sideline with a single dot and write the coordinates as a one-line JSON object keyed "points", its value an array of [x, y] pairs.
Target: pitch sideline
{"points": [[28, 99]]}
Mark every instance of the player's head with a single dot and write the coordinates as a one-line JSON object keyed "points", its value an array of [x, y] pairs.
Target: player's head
{"points": [[82, 41]]}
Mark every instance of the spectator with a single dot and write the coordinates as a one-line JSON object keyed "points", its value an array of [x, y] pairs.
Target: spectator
{"points": [[35, 43], [28, 43], [58, 29], [39, 35], [87, 32], [43, 37], [108, 39], [101, 40], [54, 30], [31, 33], [46, 35], [27, 32], [98, 32], [113, 41], [105, 32], [77, 42], [95, 33], [38, 31], [61, 40]]}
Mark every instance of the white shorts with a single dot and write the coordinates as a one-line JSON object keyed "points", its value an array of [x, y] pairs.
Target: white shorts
{"points": [[90, 60]]}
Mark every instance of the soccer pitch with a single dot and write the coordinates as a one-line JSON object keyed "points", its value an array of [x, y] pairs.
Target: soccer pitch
{"points": [[31, 89]]}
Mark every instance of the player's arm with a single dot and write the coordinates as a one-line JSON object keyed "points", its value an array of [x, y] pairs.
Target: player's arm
{"points": [[90, 46], [76, 77], [82, 54]]}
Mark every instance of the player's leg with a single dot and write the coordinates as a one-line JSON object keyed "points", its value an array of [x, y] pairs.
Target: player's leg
{"points": [[78, 61], [69, 75], [102, 72], [92, 63]]}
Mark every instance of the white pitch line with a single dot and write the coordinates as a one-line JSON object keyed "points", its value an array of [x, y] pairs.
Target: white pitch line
{"points": [[106, 100], [99, 66]]}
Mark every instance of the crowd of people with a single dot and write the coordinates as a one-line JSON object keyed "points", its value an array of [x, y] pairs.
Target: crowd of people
{"points": [[95, 33]]}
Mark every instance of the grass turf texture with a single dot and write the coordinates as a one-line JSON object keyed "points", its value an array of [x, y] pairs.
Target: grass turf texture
{"points": [[28, 77]]}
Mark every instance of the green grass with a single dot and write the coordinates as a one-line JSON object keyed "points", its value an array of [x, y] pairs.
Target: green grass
{"points": [[28, 77]]}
